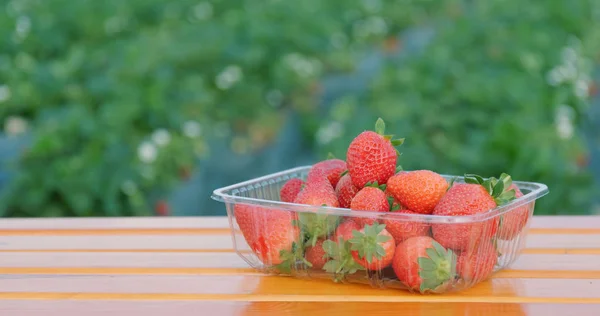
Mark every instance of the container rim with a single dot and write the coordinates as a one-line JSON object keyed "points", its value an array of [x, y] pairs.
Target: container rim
{"points": [[536, 191]]}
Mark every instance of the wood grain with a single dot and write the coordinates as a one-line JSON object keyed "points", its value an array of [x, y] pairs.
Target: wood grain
{"points": [[239, 308], [258, 288], [133, 264]]}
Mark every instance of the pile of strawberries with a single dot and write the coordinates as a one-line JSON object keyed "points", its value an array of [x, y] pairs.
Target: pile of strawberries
{"points": [[423, 256]]}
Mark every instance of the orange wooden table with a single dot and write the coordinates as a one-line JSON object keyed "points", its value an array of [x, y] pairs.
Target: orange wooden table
{"points": [[155, 266]]}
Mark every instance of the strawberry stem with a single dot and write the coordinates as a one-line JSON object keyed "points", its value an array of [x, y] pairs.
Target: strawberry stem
{"points": [[437, 268], [368, 244], [497, 188]]}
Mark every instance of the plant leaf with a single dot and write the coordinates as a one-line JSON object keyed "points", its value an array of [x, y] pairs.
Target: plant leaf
{"points": [[380, 126], [397, 142]]}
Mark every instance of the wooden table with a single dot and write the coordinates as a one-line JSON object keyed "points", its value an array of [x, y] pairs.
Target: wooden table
{"points": [[152, 266]]}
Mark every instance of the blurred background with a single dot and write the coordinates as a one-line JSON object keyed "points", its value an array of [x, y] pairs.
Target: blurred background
{"points": [[143, 107]]}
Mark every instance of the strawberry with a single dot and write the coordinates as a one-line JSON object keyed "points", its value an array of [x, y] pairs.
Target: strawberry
{"points": [[418, 190], [290, 190], [371, 156], [268, 232], [317, 225], [423, 264], [474, 197], [369, 199], [345, 191], [373, 247], [402, 229], [331, 168], [344, 230], [512, 223], [316, 255], [477, 265]]}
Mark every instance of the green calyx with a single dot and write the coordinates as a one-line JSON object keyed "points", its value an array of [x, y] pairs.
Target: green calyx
{"points": [[292, 259], [380, 129], [368, 244], [497, 188], [330, 156], [345, 172], [437, 268], [340, 263], [376, 184], [393, 206], [315, 226]]}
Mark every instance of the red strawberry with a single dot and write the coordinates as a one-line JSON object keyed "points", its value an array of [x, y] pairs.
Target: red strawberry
{"points": [[344, 230], [316, 255], [371, 156], [345, 191], [317, 194], [419, 190], [290, 190], [331, 168], [477, 265], [373, 247], [403, 229], [512, 223], [268, 232], [317, 225], [475, 197], [423, 264], [369, 199]]}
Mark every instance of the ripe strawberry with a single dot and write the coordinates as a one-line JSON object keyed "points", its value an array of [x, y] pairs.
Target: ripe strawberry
{"points": [[369, 199], [478, 264], [345, 191], [402, 229], [316, 255], [423, 264], [512, 223], [344, 230], [419, 190], [474, 197], [331, 168], [268, 232], [317, 225], [373, 247], [290, 190], [371, 156]]}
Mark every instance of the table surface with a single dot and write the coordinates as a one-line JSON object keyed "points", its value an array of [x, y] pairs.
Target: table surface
{"points": [[155, 266]]}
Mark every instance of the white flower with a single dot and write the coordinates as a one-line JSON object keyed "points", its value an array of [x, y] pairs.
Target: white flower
{"points": [[203, 10], [4, 93], [569, 55], [563, 122], [326, 134], [15, 125], [301, 65], [161, 137], [228, 77], [192, 129], [23, 26], [581, 88], [147, 152]]}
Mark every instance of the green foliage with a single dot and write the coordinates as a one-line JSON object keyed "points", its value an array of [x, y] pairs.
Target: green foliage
{"points": [[123, 97], [500, 88], [102, 81]]}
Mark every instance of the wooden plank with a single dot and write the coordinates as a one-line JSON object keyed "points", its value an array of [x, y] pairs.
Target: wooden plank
{"points": [[232, 260], [224, 241], [192, 308], [123, 260], [255, 288], [538, 222], [117, 242], [23, 272], [115, 223]]}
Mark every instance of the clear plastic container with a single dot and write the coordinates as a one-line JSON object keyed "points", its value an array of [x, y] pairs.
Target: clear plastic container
{"points": [[421, 253]]}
